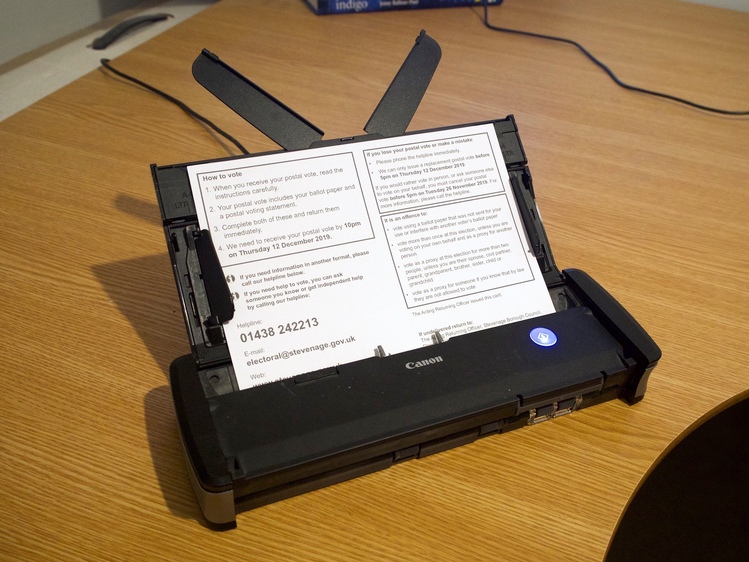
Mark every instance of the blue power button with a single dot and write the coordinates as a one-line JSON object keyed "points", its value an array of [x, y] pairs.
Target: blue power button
{"points": [[543, 337]]}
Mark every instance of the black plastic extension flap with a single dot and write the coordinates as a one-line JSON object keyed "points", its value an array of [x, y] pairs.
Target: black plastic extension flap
{"points": [[256, 106], [401, 100]]}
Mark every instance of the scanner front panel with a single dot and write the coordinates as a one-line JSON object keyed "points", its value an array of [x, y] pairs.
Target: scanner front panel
{"points": [[280, 431]]}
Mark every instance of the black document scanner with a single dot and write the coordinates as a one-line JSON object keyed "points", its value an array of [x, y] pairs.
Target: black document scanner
{"points": [[248, 448]]}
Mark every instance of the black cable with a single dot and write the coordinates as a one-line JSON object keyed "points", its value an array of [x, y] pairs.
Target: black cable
{"points": [[605, 68], [178, 103]]}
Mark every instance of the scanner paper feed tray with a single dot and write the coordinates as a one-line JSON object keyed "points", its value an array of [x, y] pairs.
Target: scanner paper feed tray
{"points": [[336, 250]]}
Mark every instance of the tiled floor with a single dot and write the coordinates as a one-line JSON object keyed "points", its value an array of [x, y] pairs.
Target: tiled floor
{"points": [[27, 83]]}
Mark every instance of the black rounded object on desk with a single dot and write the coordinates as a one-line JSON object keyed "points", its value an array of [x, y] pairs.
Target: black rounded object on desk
{"points": [[695, 503]]}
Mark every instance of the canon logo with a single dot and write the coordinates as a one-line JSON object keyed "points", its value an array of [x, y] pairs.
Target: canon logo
{"points": [[424, 362]]}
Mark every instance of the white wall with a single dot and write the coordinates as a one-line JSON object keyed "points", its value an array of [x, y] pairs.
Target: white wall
{"points": [[28, 24]]}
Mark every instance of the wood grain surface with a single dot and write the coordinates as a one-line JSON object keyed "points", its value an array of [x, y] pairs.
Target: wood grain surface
{"points": [[648, 196]]}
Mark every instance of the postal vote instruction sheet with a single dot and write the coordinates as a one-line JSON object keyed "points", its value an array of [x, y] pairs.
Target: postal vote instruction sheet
{"points": [[334, 251]]}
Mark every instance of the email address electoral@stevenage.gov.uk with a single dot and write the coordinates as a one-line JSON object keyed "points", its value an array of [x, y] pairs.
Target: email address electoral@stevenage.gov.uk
{"points": [[300, 351]]}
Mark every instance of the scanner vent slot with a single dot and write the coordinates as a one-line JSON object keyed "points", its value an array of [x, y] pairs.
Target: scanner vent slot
{"points": [[314, 376]]}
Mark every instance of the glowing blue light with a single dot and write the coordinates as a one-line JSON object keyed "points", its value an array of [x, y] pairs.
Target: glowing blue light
{"points": [[543, 337]]}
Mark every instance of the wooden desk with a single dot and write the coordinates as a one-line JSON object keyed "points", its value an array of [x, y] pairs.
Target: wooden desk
{"points": [[650, 197]]}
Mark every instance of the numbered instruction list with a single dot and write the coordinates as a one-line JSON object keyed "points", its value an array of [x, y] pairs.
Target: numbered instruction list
{"points": [[333, 252]]}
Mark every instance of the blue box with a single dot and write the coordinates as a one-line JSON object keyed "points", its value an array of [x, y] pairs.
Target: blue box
{"points": [[322, 7]]}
